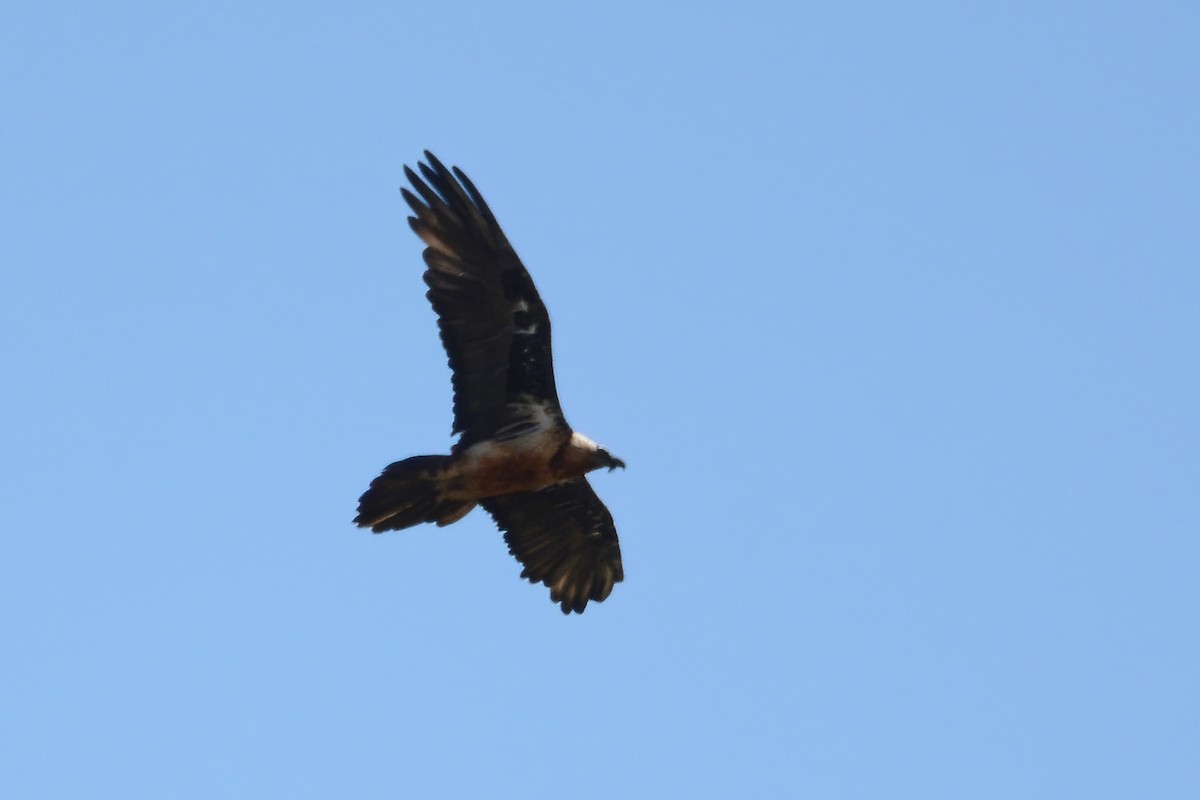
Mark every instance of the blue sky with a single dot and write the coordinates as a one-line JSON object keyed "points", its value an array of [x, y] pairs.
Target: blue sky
{"points": [[890, 308]]}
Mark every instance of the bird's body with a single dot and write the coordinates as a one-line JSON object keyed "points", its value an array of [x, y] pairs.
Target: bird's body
{"points": [[517, 457]]}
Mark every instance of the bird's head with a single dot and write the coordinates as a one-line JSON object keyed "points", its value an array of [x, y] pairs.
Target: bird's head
{"points": [[607, 459], [590, 456]]}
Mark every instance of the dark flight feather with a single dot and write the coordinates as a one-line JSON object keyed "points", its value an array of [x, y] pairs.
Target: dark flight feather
{"points": [[565, 538], [493, 323]]}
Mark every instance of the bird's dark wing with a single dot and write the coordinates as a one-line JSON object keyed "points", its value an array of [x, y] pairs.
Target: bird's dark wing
{"points": [[493, 324], [566, 539]]}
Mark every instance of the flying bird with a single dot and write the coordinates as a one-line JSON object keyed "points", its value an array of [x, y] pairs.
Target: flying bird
{"points": [[517, 456]]}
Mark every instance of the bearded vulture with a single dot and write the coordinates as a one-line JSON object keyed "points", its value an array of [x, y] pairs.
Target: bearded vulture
{"points": [[517, 456]]}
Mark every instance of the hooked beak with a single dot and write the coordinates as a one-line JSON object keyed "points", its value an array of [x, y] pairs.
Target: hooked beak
{"points": [[614, 462]]}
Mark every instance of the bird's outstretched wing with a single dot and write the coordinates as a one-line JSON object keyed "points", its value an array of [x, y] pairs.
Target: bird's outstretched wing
{"points": [[566, 539], [493, 324]]}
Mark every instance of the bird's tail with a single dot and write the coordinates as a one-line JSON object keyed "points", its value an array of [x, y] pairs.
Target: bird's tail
{"points": [[408, 493]]}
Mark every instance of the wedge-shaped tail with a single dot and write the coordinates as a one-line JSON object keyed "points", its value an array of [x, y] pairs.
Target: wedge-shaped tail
{"points": [[408, 493]]}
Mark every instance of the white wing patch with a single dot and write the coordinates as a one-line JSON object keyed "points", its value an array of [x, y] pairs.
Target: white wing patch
{"points": [[521, 307]]}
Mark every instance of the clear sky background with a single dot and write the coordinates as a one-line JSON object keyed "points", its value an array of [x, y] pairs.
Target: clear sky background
{"points": [[892, 310]]}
